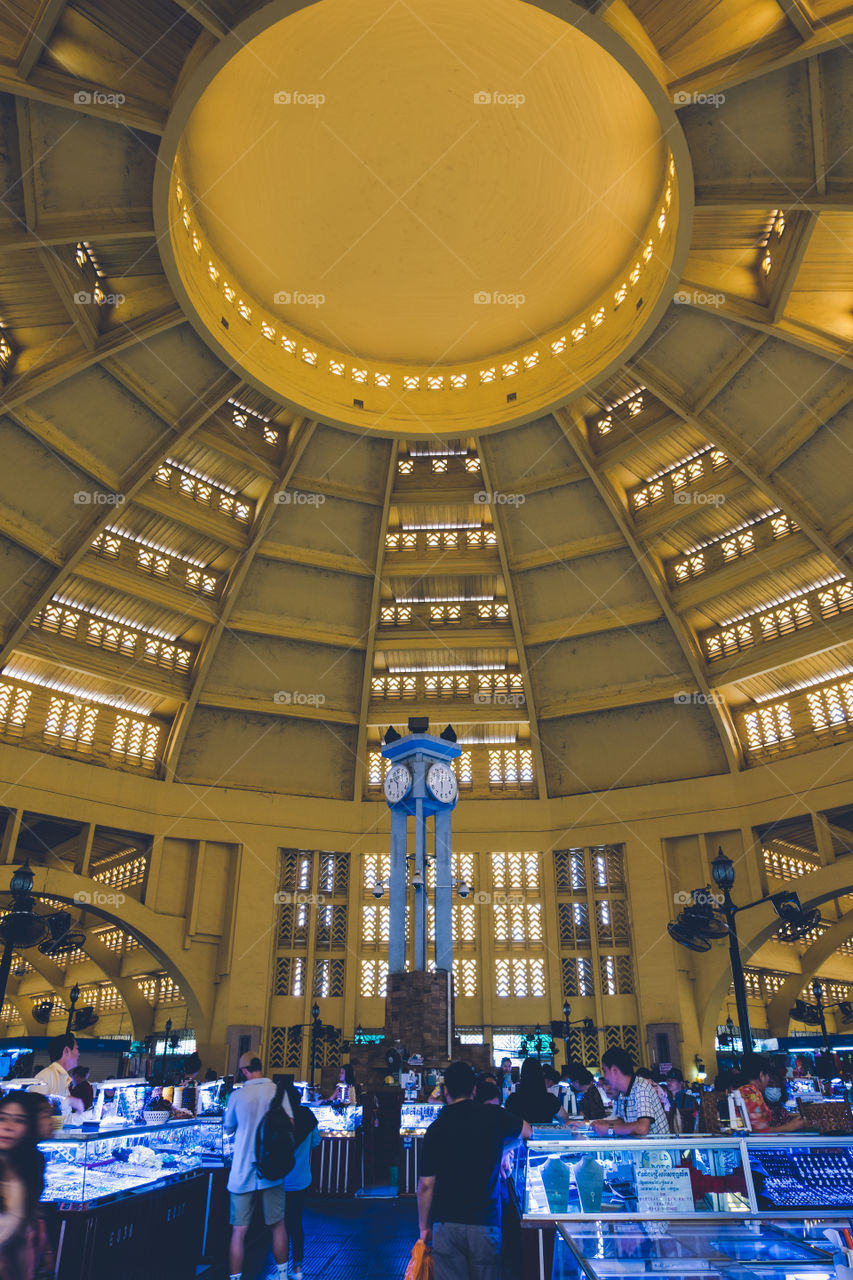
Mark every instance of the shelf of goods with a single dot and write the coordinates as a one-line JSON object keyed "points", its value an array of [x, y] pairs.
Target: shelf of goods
{"points": [[131, 1201], [337, 1165], [678, 1189], [415, 1119]]}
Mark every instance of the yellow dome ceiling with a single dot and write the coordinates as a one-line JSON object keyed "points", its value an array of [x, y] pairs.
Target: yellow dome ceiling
{"points": [[201, 583], [401, 218]]}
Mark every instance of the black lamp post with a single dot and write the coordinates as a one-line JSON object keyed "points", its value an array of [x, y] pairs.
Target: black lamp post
{"points": [[710, 917], [315, 1032], [813, 1014], [21, 926], [723, 871], [73, 996], [817, 992]]}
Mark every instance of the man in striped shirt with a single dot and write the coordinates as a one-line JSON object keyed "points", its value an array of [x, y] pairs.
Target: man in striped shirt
{"points": [[638, 1111]]}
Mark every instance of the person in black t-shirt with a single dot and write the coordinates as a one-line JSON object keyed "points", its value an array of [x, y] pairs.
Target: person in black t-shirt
{"points": [[459, 1186], [531, 1100]]}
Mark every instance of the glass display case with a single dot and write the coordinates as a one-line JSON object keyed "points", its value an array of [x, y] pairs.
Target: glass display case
{"points": [[698, 1189], [728, 1250], [559, 1175], [211, 1097], [338, 1166], [119, 1101], [336, 1120], [86, 1168], [415, 1119], [812, 1173]]}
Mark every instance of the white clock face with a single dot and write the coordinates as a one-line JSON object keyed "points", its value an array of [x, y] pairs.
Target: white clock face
{"points": [[442, 783], [398, 781]]}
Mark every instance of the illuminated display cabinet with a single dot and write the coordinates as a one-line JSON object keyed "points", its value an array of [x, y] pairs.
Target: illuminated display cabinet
{"points": [[117, 1192], [656, 1187], [338, 1163], [719, 1251], [415, 1119]]}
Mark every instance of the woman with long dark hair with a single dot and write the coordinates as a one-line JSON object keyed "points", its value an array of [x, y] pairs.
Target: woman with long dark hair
{"points": [[22, 1126], [532, 1101]]}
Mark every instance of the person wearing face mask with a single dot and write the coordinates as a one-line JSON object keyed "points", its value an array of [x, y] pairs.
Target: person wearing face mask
{"points": [[775, 1095], [758, 1072]]}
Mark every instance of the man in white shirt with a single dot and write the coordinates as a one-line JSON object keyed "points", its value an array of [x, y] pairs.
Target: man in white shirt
{"points": [[54, 1079], [246, 1108]]}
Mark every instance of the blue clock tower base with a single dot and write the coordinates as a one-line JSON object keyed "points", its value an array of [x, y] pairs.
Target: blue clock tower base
{"points": [[419, 1014]]}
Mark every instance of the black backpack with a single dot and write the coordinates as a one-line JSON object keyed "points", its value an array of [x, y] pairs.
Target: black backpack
{"points": [[275, 1152]]}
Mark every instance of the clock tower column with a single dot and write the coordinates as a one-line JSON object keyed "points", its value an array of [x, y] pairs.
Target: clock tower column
{"points": [[420, 784]]}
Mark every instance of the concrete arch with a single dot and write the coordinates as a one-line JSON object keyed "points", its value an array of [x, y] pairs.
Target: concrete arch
{"points": [[712, 971], [108, 966], [163, 936], [817, 955]]}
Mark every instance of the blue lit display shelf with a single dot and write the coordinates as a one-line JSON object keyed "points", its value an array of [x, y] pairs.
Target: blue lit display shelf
{"points": [[660, 1188]]}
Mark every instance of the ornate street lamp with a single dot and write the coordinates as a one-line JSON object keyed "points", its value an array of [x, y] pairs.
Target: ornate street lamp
{"points": [[710, 916], [22, 927]]}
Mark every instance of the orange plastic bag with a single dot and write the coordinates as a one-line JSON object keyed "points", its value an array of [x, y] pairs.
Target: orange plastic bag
{"points": [[420, 1263]]}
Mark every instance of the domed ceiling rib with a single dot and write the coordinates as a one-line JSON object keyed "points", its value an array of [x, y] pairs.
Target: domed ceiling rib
{"points": [[136, 476], [777, 491], [796, 13], [204, 13], [763, 55], [360, 773], [301, 433], [571, 423], [515, 617]]}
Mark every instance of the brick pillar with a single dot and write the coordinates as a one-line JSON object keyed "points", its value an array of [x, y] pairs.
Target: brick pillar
{"points": [[418, 1013]]}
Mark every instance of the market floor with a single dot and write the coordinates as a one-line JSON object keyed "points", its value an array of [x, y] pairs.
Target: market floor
{"points": [[364, 1239]]}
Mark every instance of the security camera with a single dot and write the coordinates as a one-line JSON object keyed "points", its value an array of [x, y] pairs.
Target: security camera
{"points": [[378, 889], [464, 889]]}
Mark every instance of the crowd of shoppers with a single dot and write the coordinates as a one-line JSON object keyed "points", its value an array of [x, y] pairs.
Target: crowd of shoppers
{"points": [[466, 1161]]}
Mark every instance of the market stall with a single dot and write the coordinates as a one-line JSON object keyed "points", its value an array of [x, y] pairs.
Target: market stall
{"points": [[563, 1180], [415, 1119], [338, 1163], [133, 1201]]}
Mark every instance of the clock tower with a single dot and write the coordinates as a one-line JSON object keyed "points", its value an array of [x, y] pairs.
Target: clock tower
{"points": [[420, 784]]}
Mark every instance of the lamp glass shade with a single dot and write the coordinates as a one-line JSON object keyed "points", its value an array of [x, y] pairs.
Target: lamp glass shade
{"points": [[723, 871], [22, 880]]}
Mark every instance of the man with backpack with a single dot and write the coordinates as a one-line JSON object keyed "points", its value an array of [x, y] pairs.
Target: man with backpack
{"points": [[261, 1118]]}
